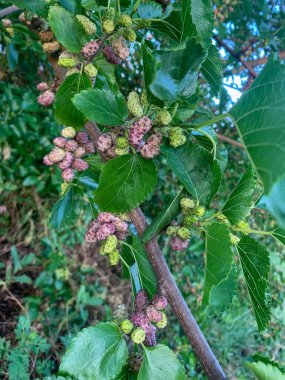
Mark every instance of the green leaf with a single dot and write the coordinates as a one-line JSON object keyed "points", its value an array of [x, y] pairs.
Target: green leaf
{"points": [[163, 219], [238, 205], [221, 296], [18, 367], [102, 106], [275, 201], [149, 10], [219, 264], [197, 20], [38, 7], [256, 266], [195, 168], [212, 69], [170, 25], [17, 265], [149, 73], [146, 274], [66, 210], [125, 182], [23, 279], [67, 29], [160, 362], [98, 352], [71, 5], [12, 56], [279, 234], [181, 80], [65, 111], [259, 116], [265, 370]]}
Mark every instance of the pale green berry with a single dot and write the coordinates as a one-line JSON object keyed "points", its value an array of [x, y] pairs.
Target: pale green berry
{"points": [[90, 70], [72, 71], [172, 230], [189, 220], [199, 211], [163, 117], [234, 239], [134, 105], [222, 218], [127, 326], [68, 132], [108, 26], [143, 98], [176, 137], [88, 25], [67, 59], [125, 20], [138, 335], [114, 257], [110, 244], [122, 142], [187, 205], [110, 13], [130, 35], [244, 226], [162, 324], [184, 233], [122, 151]]}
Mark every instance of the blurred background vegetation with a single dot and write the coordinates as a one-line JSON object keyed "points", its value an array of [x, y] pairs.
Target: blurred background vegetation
{"points": [[52, 285]]}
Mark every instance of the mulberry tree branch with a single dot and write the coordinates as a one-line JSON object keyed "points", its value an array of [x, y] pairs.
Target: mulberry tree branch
{"points": [[166, 282]]}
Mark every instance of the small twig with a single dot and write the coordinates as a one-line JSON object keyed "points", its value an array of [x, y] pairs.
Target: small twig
{"points": [[230, 141], [236, 56], [6, 11]]}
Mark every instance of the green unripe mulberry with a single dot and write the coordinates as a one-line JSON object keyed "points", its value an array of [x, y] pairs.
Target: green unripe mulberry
{"points": [[176, 137], [130, 35], [110, 244], [163, 118], [234, 239], [199, 211], [138, 335], [125, 20], [187, 205], [122, 151], [244, 226], [189, 220], [67, 59], [127, 326], [134, 105], [172, 230], [184, 233], [114, 257], [122, 142], [222, 218], [110, 13], [90, 70], [143, 98], [108, 26], [88, 25], [161, 324], [68, 132]]}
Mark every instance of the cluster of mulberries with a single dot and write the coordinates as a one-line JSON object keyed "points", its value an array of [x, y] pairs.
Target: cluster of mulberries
{"points": [[69, 149], [108, 229], [180, 234], [47, 95], [142, 323]]}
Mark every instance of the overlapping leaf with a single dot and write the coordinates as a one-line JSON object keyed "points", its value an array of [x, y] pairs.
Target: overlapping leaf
{"points": [[265, 370], [95, 353], [146, 274], [164, 218], [195, 168], [66, 210], [125, 182], [220, 277], [260, 118], [149, 10], [212, 69], [275, 201], [102, 106], [181, 80], [240, 201], [279, 234], [38, 7], [256, 266], [65, 111], [197, 20], [67, 29], [154, 364]]}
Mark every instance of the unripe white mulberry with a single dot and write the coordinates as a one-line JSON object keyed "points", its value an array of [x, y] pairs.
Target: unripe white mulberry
{"points": [[68, 132], [138, 335], [163, 117], [88, 25], [125, 20], [108, 26], [120, 48], [51, 47], [134, 105], [90, 70]]}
